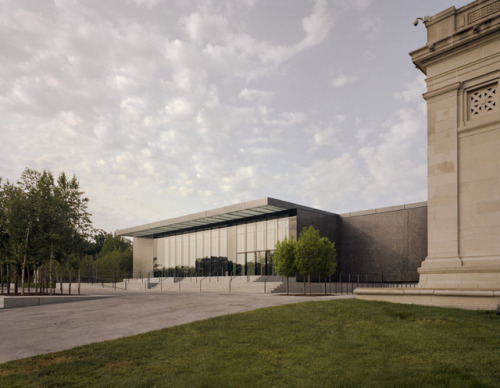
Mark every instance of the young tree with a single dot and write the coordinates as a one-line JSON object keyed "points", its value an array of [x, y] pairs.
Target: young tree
{"points": [[4, 236], [20, 219], [78, 229], [284, 259], [315, 254], [27, 210]]}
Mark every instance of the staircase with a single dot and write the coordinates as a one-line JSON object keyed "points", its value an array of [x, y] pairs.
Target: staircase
{"points": [[220, 284]]}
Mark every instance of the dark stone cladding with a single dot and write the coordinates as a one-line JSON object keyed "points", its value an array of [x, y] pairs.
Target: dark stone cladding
{"points": [[388, 243]]}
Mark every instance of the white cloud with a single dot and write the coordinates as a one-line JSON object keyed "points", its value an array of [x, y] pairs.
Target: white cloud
{"points": [[395, 163], [165, 108], [412, 91], [206, 28], [364, 134], [317, 25], [342, 80], [254, 95], [326, 136]]}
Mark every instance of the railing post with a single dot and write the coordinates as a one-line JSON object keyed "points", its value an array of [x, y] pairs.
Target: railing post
{"points": [[340, 281]]}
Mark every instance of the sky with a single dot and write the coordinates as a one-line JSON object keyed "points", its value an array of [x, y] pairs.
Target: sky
{"points": [[163, 108]]}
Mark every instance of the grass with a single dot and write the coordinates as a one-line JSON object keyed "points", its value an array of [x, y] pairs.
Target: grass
{"points": [[350, 343]]}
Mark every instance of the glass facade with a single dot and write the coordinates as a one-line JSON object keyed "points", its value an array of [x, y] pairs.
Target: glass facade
{"points": [[211, 251]]}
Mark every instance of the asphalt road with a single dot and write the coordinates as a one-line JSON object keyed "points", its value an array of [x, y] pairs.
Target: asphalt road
{"points": [[29, 331]]}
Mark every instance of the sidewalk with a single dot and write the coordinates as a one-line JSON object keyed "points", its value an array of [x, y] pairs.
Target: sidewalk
{"points": [[29, 331]]}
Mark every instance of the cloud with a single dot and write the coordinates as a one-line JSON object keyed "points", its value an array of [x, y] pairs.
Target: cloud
{"points": [[360, 4], [342, 80], [165, 108], [413, 90], [326, 136], [317, 25], [254, 95], [395, 164], [371, 27], [364, 134]]}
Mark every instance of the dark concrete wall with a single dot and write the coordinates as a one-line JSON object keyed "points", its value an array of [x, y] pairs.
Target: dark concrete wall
{"points": [[328, 224], [389, 243]]}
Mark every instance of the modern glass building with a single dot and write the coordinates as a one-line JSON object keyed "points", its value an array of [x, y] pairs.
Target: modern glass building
{"points": [[233, 240]]}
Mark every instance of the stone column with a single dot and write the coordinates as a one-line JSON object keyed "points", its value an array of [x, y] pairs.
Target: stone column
{"points": [[462, 63]]}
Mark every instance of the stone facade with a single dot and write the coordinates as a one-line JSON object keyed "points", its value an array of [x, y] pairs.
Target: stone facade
{"points": [[462, 63]]}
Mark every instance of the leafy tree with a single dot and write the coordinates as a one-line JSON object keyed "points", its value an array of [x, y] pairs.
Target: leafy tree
{"points": [[114, 242], [78, 229], [284, 259], [108, 259], [42, 219], [20, 221], [314, 254], [26, 213]]}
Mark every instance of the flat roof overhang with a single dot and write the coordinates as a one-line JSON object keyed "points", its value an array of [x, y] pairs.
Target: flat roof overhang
{"points": [[206, 219]]}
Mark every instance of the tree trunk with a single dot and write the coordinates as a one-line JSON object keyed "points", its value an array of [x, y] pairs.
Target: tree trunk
{"points": [[79, 279], [16, 280], [35, 279], [29, 284], [1, 278], [42, 279], [50, 267], [287, 286], [8, 278], [69, 286], [25, 256], [45, 279], [61, 284], [40, 283], [309, 283]]}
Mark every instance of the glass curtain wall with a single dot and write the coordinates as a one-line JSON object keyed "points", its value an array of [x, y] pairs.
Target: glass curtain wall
{"points": [[255, 243]]}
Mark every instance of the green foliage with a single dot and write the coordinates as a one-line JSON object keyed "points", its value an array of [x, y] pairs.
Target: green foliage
{"points": [[115, 265], [42, 221], [341, 343], [315, 254], [311, 254], [284, 257], [110, 261]]}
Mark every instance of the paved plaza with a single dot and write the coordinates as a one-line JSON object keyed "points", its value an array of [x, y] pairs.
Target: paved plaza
{"points": [[29, 331]]}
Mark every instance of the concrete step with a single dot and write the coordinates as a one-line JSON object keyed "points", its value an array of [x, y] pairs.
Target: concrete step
{"points": [[240, 284]]}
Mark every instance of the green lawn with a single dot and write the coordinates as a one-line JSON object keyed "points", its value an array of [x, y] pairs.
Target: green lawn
{"points": [[349, 343]]}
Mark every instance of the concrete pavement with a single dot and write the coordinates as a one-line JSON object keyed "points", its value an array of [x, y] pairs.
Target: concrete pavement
{"points": [[29, 331]]}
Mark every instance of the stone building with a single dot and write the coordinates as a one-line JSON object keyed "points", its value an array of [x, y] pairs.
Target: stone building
{"points": [[462, 63]]}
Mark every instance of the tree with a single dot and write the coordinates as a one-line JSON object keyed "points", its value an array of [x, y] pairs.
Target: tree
{"points": [[42, 219], [284, 259], [78, 228], [28, 211], [314, 254], [108, 258]]}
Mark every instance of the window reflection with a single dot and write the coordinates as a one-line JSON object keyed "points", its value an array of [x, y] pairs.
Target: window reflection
{"points": [[204, 253]]}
